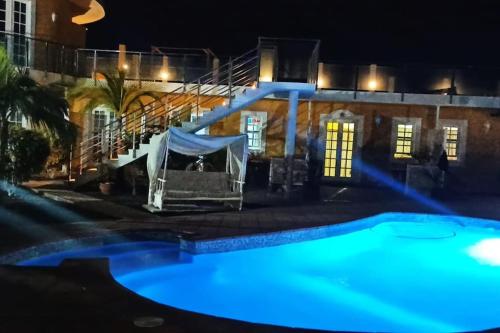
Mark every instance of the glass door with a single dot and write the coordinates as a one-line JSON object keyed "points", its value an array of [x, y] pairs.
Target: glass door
{"points": [[339, 149]]}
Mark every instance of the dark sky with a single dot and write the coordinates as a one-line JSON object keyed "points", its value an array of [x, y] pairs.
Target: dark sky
{"points": [[440, 32]]}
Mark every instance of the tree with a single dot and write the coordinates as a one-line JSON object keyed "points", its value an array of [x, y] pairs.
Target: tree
{"points": [[114, 93], [27, 153], [42, 106]]}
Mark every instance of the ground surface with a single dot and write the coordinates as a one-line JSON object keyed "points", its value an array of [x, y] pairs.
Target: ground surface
{"points": [[75, 298]]}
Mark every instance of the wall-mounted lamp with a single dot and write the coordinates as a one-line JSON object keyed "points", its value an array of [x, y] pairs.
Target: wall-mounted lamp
{"points": [[372, 85], [54, 17], [125, 67], [378, 120], [487, 126], [164, 75]]}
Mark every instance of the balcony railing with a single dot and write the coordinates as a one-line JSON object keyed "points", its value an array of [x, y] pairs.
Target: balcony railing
{"points": [[46, 56], [414, 78]]}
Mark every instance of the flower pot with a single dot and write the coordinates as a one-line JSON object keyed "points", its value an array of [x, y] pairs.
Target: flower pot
{"points": [[106, 188]]}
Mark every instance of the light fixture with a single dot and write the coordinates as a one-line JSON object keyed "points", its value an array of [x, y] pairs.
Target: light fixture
{"points": [[372, 85], [164, 75], [487, 126], [321, 83], [224, 103], [378, 120], [125, 67], [54, 17]]}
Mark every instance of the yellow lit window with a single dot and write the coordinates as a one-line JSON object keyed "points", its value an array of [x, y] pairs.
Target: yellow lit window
{"points": [[347, 149], [404, 141], [451, 142], [332, 133]]}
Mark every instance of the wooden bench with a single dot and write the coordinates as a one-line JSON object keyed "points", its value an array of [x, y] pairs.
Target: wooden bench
{"points": [[194, 186]]}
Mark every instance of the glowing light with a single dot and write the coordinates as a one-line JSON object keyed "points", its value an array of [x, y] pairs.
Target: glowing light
{"points": [[164, 75], [321, 83], [224, 103], [254, 85], [125, 67], [372, 85], [486, 251], [266, 78]]}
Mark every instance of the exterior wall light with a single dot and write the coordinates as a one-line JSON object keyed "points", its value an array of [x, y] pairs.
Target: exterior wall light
{"points": [[54, 17], [487, 126], [125, 67], [372, 85], [164, 75], [266, 79]]}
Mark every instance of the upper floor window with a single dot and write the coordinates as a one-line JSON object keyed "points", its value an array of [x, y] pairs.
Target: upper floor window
{"points": [[3, 15], [405, 137], [15, 16], [101, 118], [254, 124]]}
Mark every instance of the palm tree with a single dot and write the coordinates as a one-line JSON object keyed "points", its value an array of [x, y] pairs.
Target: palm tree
{"points": [[42, 106], [115, 94]]}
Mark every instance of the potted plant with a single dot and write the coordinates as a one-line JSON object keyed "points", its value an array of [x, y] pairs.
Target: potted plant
{"points": [[106, 185]]}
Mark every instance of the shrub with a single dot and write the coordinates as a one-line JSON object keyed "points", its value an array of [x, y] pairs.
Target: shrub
{"points": [[27, 153]]}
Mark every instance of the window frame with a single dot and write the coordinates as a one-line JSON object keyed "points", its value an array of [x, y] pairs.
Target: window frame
{"points": [[462, 126], [415, 139], [244, 129]]}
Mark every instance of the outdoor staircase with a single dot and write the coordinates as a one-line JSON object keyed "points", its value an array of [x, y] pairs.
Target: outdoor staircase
{"points": [[236, 83]]}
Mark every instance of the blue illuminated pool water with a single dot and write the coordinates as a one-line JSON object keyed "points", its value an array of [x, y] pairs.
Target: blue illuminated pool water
{"points": [[432, 274]]}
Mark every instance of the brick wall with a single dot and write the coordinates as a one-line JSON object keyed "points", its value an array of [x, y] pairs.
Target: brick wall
{"points": [[62, 30]]}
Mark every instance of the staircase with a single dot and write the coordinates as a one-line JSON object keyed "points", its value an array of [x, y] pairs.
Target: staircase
{"points": [[234, 87]]}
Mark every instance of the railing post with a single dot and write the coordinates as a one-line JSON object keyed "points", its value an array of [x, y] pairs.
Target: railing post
{"points": [[198, 100], [139, 69], [94, 70], [230, 82], [81, 158], [111, 143], [356, 82], [103, 140], [62, 62], [46, 58], [133, 135], [76, 65], [70, 164]]}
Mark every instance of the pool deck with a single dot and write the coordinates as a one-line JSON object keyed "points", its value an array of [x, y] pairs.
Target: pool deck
{"points": [[81, 296]]}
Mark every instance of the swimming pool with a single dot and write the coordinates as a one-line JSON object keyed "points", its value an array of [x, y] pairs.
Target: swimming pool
{"points": [[393, 272]]}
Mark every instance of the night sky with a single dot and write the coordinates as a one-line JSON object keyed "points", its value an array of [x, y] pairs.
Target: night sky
{"points": [[451, 33]]}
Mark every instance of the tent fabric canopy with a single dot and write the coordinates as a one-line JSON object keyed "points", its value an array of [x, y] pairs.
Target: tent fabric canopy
{"points": [[194, 145]]}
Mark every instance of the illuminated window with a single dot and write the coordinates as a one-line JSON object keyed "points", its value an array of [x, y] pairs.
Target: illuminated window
{"points": [[451, 142], [404, 141], [339, 147], [253, 124], [254, 133], [332, 133]]}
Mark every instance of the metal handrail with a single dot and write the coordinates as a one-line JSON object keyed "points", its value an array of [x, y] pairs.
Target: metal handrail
{"points": [[236, 73]]}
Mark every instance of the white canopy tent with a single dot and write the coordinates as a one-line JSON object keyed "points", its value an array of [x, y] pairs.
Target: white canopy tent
{"points": [[194, 145]]}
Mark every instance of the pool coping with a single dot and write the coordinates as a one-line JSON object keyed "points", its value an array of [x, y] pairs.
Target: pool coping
{"points": [[188, 243]]}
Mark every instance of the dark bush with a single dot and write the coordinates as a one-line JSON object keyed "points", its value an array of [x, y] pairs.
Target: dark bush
{"points": [[27, 152]]}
